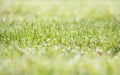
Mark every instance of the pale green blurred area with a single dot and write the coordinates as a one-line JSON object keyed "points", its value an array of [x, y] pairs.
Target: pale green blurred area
{"points": [[58, 7]]}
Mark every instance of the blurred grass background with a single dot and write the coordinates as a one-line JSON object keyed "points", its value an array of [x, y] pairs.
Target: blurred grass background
{"points": [[59, 37]]}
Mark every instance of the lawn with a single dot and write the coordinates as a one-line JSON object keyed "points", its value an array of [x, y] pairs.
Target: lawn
{"points": [[59, 37]]}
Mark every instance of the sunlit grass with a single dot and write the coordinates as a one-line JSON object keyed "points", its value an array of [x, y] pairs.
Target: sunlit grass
{"points": [[59, 37]]}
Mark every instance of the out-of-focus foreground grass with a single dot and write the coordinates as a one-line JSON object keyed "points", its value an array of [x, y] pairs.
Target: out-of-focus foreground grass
{"points": [[59, 37]]}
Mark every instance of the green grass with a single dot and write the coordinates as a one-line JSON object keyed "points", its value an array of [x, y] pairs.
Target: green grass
{"points": [[59, 37]]}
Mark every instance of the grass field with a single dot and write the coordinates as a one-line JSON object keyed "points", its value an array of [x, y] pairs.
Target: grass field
{"points": [[59, 37]]}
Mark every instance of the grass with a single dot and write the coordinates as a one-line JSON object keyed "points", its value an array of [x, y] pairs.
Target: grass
{"points": [[59, 37]]}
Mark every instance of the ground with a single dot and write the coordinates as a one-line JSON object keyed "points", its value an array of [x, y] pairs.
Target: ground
{"points": [[59, 37]]}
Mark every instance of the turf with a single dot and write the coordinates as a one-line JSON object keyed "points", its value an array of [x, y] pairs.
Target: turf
{"points": [[65, 37]]}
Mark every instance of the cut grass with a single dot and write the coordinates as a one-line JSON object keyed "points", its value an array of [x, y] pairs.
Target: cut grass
{"points": [[59, 37]]}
